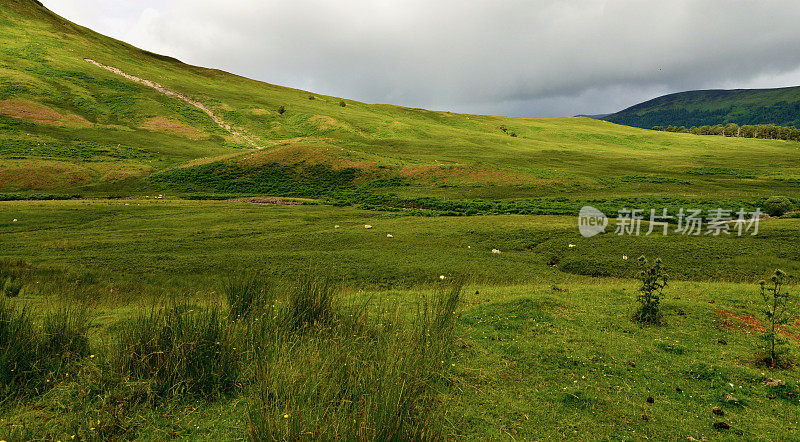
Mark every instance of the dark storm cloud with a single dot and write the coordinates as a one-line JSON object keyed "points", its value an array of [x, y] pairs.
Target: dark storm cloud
{"points": [[513, 57]]}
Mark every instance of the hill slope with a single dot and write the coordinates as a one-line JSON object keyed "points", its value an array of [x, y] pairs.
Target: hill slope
{"points": [[81, 112], [711, 107]]}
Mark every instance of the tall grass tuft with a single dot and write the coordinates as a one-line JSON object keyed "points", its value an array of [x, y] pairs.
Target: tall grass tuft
{"points": [[10, 288], [244, 293], [17, 349], [32, 358], [64, 334], [179, 350], [311, 301], [351, 373]]}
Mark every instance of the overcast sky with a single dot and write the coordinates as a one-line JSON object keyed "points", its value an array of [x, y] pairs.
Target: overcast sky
{"points": [[534, 58]]}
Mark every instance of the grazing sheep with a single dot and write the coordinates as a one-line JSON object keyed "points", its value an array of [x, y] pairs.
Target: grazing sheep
{"points": [[389, 235], [15, 220], [571, 246], [367, 226], [336, 226], [495, 251], [442, 277]]}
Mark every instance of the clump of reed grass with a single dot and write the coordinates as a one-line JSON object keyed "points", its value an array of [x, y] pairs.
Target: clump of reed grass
{"points": [[343, 371], [32, 356], [244, 293], [180, 350]]}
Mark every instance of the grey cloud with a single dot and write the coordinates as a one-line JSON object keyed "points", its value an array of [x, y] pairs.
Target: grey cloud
{"points": [[512, 57]]}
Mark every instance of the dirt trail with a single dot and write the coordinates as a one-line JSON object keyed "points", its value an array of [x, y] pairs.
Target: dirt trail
{"points": [[177, 95]]}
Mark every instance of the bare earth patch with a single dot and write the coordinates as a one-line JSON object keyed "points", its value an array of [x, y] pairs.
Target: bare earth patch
{"points": [[41, 114], [748, 323], [173, 127]]}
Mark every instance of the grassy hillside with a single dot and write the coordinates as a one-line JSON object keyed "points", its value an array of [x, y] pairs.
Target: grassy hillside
{"points": [[779, 106], [71, 126]]}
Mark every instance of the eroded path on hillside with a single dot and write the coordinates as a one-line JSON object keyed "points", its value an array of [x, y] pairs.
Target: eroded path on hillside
{"points": [[219, 121]]}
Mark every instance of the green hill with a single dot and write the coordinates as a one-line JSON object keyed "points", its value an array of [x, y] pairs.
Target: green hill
{"points": [[81, 113], [711, 107]]}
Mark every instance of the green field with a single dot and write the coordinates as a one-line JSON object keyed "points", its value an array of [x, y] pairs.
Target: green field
{"points": [[165, 274], [539, 350]]}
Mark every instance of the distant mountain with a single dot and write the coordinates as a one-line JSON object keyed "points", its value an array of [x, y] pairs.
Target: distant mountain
{"points": [[779, 106]]}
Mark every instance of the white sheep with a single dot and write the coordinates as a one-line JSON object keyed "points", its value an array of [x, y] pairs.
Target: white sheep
{"points": [[495, 251], [336, 226], [367, 226], [389, 235]]}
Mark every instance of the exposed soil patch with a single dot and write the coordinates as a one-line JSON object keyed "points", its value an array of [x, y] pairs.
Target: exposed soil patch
{"points": [[749, 323], [38, 113], [273, 201], [173, 127]]}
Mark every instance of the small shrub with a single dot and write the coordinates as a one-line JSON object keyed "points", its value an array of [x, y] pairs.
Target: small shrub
{"points": [[342, 104], [777, 312], [11, 288], [179, 350], [777, 205], [311, 97], [654, 280], [281, 110]]}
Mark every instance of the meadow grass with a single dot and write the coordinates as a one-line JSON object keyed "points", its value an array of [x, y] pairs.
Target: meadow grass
{"points": [[307, 365], [140, 243], [542, 345]]}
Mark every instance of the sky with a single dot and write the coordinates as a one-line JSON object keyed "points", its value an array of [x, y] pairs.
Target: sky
{"points": [[530, 58]]}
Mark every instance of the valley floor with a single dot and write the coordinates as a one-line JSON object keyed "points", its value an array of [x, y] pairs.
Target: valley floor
{"points": [[543, 347]]}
